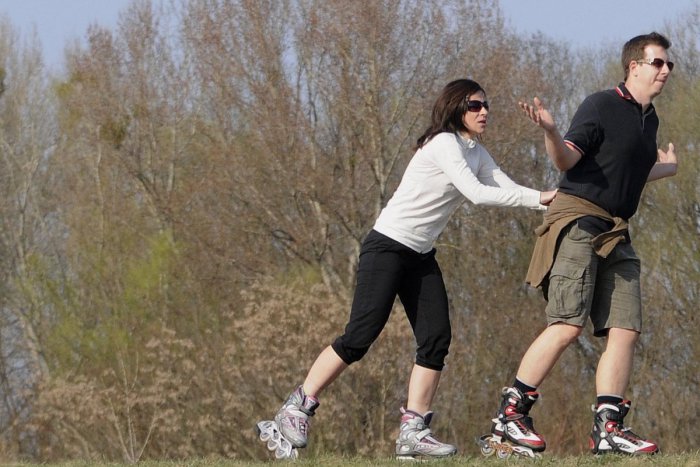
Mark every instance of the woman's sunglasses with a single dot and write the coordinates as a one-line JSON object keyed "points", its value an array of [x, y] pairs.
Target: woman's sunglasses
{"points": [[476, 106], [656, 63]]}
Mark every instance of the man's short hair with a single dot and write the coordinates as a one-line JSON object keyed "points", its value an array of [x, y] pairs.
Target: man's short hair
{"points": [[634, 48]]}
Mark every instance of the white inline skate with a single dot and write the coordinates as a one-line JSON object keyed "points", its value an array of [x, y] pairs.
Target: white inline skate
{"points": [[416, 440], [290, 429], [269, 433]]}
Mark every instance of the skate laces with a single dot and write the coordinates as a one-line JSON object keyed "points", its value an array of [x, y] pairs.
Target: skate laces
{"points": [[627, 433], [526, 424], [615, 414]]}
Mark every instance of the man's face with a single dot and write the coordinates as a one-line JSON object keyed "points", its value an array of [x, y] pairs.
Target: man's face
{"points": [[647, 75]]}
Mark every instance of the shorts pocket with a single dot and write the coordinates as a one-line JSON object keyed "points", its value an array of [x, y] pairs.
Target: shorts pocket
{"points": [[566, 292]]}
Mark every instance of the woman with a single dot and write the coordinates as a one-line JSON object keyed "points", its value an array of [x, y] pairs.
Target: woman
{"points": [[398, 258]]}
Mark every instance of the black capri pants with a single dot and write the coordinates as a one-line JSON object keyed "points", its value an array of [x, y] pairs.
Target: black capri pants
{"points": [[386, 269]]}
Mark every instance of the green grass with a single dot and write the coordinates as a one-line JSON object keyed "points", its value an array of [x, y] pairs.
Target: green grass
{"points": [[687, 460]]}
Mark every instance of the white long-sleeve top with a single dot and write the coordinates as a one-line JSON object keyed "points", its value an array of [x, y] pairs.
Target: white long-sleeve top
{"points": [[440, 176]]}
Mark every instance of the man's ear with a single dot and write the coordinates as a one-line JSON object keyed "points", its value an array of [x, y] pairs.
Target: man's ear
{"points": [[633, 65]]}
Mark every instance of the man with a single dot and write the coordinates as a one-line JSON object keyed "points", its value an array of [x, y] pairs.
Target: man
{"points": [[583, 258]]}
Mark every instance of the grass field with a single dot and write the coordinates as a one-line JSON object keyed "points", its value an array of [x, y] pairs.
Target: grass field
{"points": [[686, 460]]}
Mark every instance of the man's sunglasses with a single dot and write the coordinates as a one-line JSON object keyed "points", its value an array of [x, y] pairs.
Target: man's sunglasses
{"points": [[656, 63], [476, 106]]}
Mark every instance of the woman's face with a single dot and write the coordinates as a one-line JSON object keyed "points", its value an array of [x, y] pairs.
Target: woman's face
{"points": [[477, 111]]}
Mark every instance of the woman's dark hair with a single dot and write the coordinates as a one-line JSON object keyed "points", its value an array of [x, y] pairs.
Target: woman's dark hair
{"points": [[449, 109]]}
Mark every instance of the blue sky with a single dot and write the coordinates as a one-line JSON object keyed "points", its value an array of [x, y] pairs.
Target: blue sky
{"points": [[580, 22], [59, 21], [592, 22]]}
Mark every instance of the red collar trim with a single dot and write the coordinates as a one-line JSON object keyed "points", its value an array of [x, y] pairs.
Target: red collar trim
{"points": [[624, 93]]}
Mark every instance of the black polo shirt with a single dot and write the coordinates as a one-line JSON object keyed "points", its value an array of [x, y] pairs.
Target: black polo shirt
{"points": [[618, 143]]}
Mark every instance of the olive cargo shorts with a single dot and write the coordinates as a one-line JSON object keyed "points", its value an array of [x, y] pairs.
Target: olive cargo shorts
{"points": [[583, 284]]}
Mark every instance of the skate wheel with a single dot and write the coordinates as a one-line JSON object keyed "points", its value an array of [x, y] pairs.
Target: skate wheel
{"points": [[487, 451], [502, 453], [264, 435], [525, 452], [286, 445], [286, 452], [269, 433], [264, 430], [485, 446]]}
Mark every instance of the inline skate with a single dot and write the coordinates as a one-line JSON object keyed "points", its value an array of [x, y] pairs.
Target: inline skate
{"points": [[416, 440], [609, 434], [289, 431], [512, 431]]}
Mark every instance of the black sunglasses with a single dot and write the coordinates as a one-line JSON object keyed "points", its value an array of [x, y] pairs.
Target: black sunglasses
{"points": [[475, 106], [656, 63]]}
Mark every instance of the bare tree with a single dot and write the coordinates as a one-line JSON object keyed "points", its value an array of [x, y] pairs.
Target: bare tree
{"points": [[27, 139], [203, 188]]}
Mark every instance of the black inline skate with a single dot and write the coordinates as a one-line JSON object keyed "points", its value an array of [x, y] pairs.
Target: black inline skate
{"points": [[609, 434], [512, 431]]}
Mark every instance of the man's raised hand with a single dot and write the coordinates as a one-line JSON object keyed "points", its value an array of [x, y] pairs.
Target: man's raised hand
{"points": [[538, 114]]}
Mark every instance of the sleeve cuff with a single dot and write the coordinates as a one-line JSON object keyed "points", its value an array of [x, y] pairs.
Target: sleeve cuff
{"points": [[531, 199]]}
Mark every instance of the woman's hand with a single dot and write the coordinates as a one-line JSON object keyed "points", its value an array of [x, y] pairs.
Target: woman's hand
{"points": [[546, 197]]}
